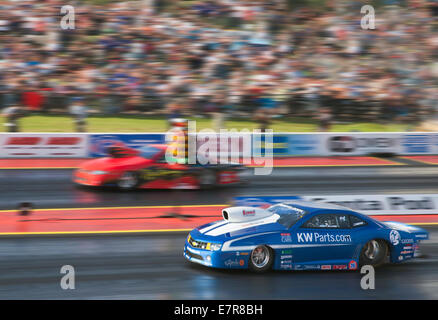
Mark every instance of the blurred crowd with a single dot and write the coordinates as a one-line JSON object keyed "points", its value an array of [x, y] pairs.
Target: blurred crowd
{"points": [[237, 57]]}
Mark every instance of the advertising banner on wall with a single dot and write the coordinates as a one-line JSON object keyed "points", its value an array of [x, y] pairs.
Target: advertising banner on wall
{"points": [[305, 144], [43, 145], [360, 143], [419, 143], [277, 148], [389, 204], [34, 145]]}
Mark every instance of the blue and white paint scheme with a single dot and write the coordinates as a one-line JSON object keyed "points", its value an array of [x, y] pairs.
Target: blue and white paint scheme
{"points": [[297, 235]]}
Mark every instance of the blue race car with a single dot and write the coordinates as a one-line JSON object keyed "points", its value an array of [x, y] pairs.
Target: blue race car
{"points": [[296, 235]]}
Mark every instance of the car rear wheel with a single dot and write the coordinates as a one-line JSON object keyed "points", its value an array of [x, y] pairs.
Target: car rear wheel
{"points": [[261, 259], [374, 253], [128, 181], [207, 179]]}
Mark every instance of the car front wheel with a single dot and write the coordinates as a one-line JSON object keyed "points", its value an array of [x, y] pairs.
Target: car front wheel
{"points": [[261, 259], [128, 181]]}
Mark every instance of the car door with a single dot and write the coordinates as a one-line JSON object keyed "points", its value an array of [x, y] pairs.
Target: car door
{"points": [[324, 237], [163, 174]]}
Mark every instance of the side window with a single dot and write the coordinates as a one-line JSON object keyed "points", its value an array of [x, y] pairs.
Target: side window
{"points": [[344, 222], [357, 222], [322, 221], [328, 221]]}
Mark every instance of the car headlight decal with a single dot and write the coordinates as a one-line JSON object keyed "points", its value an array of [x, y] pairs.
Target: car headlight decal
{"points": [[215, 246]]}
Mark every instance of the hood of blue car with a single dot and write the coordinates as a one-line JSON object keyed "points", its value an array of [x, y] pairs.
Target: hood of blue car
{"points": [[222, 230]]}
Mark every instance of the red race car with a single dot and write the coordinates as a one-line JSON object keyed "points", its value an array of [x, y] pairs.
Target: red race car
{"points": [[147, 168]]}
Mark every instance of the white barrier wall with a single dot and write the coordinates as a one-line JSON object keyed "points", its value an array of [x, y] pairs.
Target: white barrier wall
{"points": [[355, 144], [393, 204], [72, 145], [370, 204]]}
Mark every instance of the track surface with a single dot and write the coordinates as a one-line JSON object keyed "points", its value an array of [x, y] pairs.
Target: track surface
{"points": [[54, 189], [152, 267]]}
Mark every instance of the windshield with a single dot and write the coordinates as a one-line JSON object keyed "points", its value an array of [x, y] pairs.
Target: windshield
{"points": [[149, 152], [288, 215]]}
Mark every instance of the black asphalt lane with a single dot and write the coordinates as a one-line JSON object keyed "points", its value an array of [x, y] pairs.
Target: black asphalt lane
{"points": [[152, 267], [54, 188]]}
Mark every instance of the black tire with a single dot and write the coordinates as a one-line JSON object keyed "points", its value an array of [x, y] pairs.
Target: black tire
{"points": [[243, 179], [207, 179], [374, 253], [128, 181], [266, 261]]}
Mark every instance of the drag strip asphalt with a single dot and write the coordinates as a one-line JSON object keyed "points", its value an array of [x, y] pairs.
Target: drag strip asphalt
{"points": [[54, 188], [152, 267]]}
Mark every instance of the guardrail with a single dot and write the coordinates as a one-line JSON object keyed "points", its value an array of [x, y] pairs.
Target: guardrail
{"points": [[77, 145]]}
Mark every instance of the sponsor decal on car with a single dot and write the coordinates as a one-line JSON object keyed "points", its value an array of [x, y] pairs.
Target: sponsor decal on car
{"points": [[286, 251], [326, 267], [248, 212], [322, 238], [286, 266], [406, 241], [155, 172], [307, 267], [286, 257], [339, 267], [234, 262], [394, 237], [352, 265], [286, 262], [286, 237]]}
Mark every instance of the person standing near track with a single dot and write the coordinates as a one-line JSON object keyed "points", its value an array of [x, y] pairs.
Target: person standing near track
{"points": [[79, 112], [12, 114]]}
